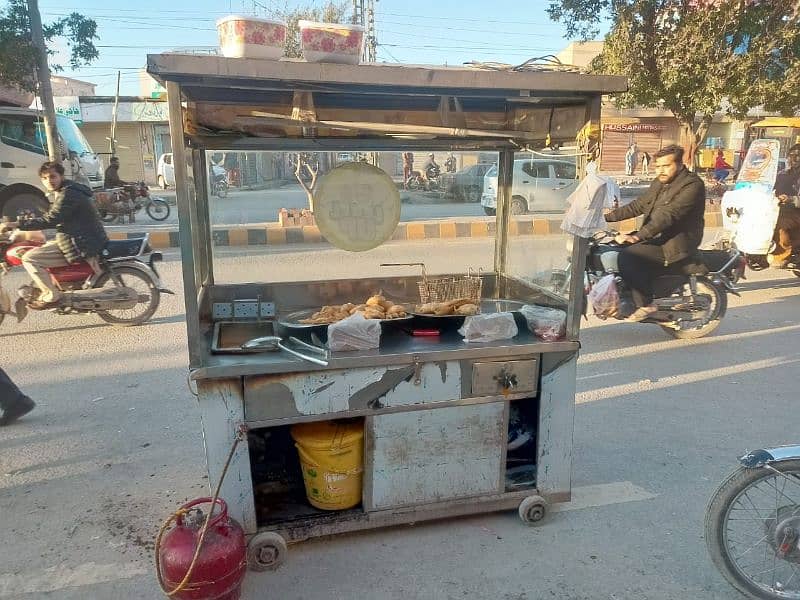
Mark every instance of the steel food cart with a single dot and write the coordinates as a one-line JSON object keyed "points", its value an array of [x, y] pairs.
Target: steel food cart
{"points": [[435, 409]]}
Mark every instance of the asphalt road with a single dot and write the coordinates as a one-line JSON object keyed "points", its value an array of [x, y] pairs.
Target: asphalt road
{"points": [[114, 446], [241, 207]]}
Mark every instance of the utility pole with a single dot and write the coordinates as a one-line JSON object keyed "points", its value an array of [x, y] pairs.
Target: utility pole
{"points": [[371, 49], [43, 74], [112, 144]]}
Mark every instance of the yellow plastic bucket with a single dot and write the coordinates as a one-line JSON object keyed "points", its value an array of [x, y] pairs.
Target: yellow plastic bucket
{"points": [[332, 460]]}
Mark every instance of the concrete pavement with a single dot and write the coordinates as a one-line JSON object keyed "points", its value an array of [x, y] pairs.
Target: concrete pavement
{"points": [[114, 446]]}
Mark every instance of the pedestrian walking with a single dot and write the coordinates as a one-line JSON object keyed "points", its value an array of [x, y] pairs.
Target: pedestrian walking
{"points": [[408, 167], [631, 159], [645, 163], [13, 402]]}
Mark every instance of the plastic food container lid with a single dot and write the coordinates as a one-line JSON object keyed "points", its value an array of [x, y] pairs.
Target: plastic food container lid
{"points": [[243, 18], [335, 26]]}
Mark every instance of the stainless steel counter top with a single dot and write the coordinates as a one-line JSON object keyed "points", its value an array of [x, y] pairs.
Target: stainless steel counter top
{"points": [[397, 348]]}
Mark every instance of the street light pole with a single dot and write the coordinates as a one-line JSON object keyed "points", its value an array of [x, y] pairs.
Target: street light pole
{"points": [[43, 74]]}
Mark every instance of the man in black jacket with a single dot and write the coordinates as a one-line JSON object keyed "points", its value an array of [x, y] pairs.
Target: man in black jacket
{"points": [[79, 232], [672, 230]]}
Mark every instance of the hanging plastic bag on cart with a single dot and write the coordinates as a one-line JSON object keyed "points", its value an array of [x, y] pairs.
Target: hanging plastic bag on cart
{"points": [[354, 333], [604, 297], [584, 216], [489, 328], [545, 322], [750, 214]]}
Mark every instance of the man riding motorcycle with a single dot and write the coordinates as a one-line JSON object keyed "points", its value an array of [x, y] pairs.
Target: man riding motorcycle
{"points": [[430, 169], [111, 177], [79, 232], [787, 228], [671, 233]]}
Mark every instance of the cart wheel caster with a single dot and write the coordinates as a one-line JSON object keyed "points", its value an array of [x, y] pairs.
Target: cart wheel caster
{"points": [[532, 509], [266, 551]]}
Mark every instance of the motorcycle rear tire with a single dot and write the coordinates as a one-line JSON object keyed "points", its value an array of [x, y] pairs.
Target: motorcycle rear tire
{"points": [[155, 298], [221, 190], [157, 203], [721, 307], [717, 514]]}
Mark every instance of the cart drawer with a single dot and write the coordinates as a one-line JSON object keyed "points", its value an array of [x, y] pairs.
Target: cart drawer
{"points": [[511, 376]]}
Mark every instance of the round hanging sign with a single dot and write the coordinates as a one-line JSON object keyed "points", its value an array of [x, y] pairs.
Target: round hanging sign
{"points": [[357, 206]]}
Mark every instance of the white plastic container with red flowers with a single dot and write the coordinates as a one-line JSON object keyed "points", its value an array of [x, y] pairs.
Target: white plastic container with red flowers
{"points": [[251, 37], [331, 42]]}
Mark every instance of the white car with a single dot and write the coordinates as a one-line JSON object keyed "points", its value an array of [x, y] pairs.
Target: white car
{"points": [[166, 171], [539, 185]]}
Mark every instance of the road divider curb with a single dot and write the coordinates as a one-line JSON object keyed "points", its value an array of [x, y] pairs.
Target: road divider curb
{"points": [[272, 234]]}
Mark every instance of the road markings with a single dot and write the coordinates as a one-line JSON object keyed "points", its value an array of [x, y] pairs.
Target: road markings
{"points": [[63, 577], [603, 494], [647, 385]]}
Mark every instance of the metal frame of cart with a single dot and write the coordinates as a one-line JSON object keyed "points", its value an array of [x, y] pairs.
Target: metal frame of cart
{"points": [[430, 386]]}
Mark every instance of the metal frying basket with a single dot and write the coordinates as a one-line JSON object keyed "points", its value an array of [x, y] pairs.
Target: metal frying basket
{"points": [[445, 289]]}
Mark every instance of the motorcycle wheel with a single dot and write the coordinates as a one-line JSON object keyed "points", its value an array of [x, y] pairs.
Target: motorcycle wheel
{"points": [[144, 286], [413, 183], [719, 305], [157, 209], [222, 190], [742, 524]]}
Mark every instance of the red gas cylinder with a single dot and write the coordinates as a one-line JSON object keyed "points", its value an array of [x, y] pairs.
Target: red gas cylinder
{"points": [[220, 567]]}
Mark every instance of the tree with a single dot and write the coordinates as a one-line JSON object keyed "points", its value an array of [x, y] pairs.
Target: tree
{"points": [[695, 57], [307, 165], [18, 54]]}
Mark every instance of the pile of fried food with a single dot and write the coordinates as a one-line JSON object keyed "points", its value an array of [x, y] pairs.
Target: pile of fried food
{"points": [[376, 307], [461, 306]]}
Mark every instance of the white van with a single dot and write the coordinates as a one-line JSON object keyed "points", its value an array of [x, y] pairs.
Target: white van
{"points": [[166, 171], [22, 151]]}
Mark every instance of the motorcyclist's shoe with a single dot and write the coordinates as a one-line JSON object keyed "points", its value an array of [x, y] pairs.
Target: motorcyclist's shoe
{"points": [[21, 407], [39, 305]]}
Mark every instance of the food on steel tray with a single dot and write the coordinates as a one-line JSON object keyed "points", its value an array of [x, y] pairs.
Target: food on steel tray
{"points": [[376, 307], [461, 306]]}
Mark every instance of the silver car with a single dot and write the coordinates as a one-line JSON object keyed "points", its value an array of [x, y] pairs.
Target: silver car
{"points": [[539, 185]]}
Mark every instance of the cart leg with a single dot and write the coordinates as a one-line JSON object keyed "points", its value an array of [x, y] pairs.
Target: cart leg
{"points": [[222, 411]]}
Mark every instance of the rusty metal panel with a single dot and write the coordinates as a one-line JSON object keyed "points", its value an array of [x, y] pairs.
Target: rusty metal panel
{"points": [[325, 392], [512, 376], [436, 455], [221, 413], [556, 423]]}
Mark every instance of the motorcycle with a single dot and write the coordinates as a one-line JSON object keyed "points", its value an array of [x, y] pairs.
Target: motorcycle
{"points": [[697, 302], [752, 524], [417, 182], [125, 290], [118, 203], [219, 185]]}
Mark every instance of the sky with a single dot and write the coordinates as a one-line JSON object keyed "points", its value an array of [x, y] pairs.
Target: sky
{"points": [[409, 31]]}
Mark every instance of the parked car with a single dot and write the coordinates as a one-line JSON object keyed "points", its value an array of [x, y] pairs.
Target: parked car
{"points": [[467, 184], [166, 171], [539, 185]]}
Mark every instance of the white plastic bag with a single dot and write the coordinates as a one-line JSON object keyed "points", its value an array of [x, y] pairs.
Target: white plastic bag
{"points": [[585, 213], [750, 214], [490, 327], [604, 297], [354, 333], [550, 324]]}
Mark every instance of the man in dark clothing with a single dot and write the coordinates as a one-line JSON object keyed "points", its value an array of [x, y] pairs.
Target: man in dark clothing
{"points": [[672, 230], [79, 232], [787, 228], [111, 177], [13, 402]]}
